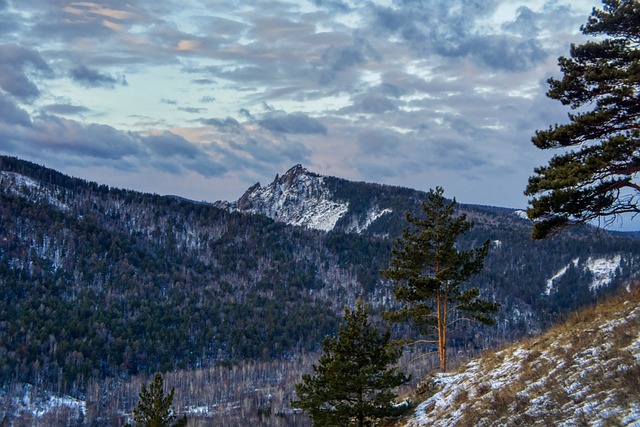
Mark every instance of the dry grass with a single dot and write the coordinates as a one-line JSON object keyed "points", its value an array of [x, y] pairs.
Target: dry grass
{"points": [[589, 361]]}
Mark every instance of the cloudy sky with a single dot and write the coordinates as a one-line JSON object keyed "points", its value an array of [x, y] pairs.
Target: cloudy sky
{"points": [[203, 98]]}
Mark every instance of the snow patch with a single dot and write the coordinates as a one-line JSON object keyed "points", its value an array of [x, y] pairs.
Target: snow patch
{"points": [[302, 198], [372, 215], [559, 274], [20, 185], [26, 399], [602, 269], [521, 214]]}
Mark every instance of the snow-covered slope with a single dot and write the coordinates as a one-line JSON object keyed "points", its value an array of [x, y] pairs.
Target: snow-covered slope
{"points": [[585, 372], [602, 270], [20, 185], [303, 198], [39, 404]]}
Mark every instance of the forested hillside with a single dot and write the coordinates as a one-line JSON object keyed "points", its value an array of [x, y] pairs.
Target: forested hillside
{"points": [[100, 285]]}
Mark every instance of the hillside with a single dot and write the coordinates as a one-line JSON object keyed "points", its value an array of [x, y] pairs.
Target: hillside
{"points": [[102, 286], [583, 372]]}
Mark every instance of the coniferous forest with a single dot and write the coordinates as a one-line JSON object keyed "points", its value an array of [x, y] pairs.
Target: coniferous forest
{"points": [[102, 288]]}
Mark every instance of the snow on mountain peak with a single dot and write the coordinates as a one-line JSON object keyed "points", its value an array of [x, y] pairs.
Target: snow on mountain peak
{"points": [[299, 197], [303, 198]]}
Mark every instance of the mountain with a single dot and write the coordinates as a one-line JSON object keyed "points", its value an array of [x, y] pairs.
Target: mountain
{"points": [[583, 372], [101, 286], [303, 198]]}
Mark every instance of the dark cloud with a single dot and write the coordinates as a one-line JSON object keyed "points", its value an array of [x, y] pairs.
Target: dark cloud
{"points": [[203, 81], [169, 144], [448, 29], [92, 78], [262, 154], [14, 63], [376, 104], [380, 142], [193, 110], [11, 114], [52, 133], [65, 109], [526, 23], [8, 21], [294, 123], [502, 52], [337, 5], [338, 59], [175, 155], [228, 124], [168, 101], [207, 99]]}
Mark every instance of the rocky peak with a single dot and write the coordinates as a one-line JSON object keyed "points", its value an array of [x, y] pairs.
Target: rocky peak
{"points": [[298, 197]]}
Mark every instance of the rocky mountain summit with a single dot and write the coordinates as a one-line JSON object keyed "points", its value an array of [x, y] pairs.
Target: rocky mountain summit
{"points": [[299, 197], [303, 198]]}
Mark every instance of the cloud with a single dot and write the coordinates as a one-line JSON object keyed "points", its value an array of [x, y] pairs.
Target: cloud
{"points": [[169, 144], [92, 78], [227, 125], [11, 114], [203, 81], [336, 60], [294, 123], [261, 153], [453, 30], [14, 63], [52, 133], [173, 153], [376, 104], [193, 110], [52, 137], [65, 109], [408, 90]]}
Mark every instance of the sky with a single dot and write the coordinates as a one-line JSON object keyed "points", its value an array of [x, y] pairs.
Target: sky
{"points": [[204, 98]]}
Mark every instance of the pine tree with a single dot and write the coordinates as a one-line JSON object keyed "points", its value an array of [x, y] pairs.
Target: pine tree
{"points": [[352, 383], [154, 408], [429, 273], [597, 180]]}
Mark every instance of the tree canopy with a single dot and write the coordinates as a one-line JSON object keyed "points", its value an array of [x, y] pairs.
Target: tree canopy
{"points": [[597, 177], [154, 408], [352, 384], [430, 271]]}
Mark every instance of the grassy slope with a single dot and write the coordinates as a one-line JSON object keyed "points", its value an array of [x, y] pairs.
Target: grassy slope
{"points": [[585, 372]]}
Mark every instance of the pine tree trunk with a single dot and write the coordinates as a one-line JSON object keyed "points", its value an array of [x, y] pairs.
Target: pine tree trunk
{"points": [[442, 332]]}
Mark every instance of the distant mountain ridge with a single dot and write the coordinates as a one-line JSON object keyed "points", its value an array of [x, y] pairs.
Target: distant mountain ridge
{"points": [[303, 198], [99, 283], [299, 197]]}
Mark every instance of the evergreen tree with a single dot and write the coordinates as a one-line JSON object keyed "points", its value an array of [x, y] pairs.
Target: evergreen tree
{"points": [[154, 408], [597, 180], [353, 381], [430, 271]]}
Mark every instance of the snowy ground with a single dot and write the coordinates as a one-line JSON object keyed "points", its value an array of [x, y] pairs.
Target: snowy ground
{"points": [[587, 373]]}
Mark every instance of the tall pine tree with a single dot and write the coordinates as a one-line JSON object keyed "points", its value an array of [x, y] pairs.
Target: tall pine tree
{"points": [[429, 273], [598, 177], [352, 383], [154, 408]]}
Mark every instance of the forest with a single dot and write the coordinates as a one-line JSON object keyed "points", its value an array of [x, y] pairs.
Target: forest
{"points": [[102, 287]]}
